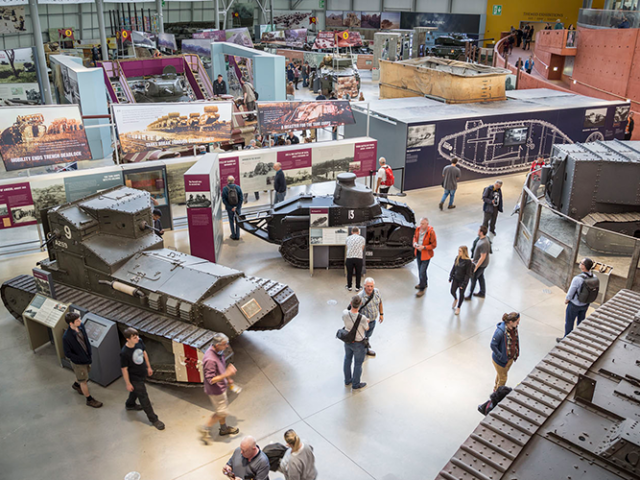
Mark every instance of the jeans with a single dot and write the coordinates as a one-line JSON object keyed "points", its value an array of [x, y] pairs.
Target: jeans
{"points": [[501, 374], [478, 276], [334, 135], [354, 264], [358, 351], [570, 315], [305, 81], [455, 290], [372, 326], [233, 222], [448, 193], [140, 393], [280, 197], [490, 219], [422, 270]]}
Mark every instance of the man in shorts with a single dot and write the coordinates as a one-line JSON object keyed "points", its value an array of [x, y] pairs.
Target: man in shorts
{"points": [[217, 378], [78, 350]]}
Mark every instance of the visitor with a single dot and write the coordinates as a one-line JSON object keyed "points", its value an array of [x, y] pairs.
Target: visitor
{"points": [[480, 252], [528, 64], [157, 223], [249, 95], [450, 176], [232, 198], [305, 74], [424, 243], [293, 138], [579, 296], [279, 184], [527, 38], [219, 86], [371, 308], [628, 131], [296, 76], [355, 246], [536, 174], [492, 205], [298, 462], [355, 352], [217, 377], [247, 462], [559, 25], [136, 366], [290, 91], [77, 349], [459, 277], [384, 178], [505, 347]]}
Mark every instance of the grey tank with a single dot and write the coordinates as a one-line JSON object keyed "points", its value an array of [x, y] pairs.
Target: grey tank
{"points": [[105, 257]]}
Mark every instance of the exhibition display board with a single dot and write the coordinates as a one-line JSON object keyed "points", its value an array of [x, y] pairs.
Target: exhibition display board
{"points": [[44, 315], [286, 116], [19, 73], [16, 205]]}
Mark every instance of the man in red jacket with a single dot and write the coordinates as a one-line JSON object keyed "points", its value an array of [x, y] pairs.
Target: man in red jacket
{"points": [[424, 242]]}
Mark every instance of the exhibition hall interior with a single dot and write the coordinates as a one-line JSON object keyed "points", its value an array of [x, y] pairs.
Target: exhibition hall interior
{"points": [[319, 240]]}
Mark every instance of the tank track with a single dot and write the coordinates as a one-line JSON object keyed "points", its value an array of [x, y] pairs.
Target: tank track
{"points": [[18, 292]]}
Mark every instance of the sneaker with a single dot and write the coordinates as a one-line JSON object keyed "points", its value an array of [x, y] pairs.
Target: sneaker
{"points": [[457, 311], [451, 206], [440, 205], [94, 403], [468, 297], [420, 293], [229, 430], [359, 386], [77, 388], [137, 407], [455, 302], [158, 424], [417, 287], [493, 232], [205, 435], [348, 287], [346, 384], [479, 295]]}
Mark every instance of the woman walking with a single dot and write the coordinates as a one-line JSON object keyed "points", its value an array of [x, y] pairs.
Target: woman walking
{"points": [[505, 346], [459, 277], [299, 462]]}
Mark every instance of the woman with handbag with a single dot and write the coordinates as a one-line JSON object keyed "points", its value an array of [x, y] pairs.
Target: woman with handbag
{"points": [[353, 335], [459, 277]]}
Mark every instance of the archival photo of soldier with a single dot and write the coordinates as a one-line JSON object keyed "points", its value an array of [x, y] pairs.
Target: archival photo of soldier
{"points": [[26, 214], [256, 171], [298, 176], [33, 136], [595, 118], [285, 116], [330, 160], [421, 136], [199, 200], [4, 210], [621, 114], [163, 125], [47, 193], [12, 19]]}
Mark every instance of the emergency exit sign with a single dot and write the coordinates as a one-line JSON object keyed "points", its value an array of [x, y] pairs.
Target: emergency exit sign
{"points": [[497, 9], [322, 3]]}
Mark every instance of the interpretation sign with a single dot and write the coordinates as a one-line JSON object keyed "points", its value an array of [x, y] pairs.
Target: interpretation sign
{"points": [[285, 116], [16, 206]]}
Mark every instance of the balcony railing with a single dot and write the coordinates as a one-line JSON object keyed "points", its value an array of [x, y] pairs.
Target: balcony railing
{"points": [[595, 18]]}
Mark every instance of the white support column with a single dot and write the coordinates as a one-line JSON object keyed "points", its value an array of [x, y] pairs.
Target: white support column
{"points": [[104, 47], [42, 61], [217, 15], [160, 16]]}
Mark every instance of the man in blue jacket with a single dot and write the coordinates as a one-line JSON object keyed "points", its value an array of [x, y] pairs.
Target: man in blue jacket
{"points": [[279, 184], [78, 350], [505, 347], [232, 199], [492, 204]]}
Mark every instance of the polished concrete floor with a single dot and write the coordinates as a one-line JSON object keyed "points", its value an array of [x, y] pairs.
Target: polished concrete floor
{"points": [[433, 368]]}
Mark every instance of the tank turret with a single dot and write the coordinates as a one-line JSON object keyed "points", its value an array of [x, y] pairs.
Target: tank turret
{"points": [[388, 225], [105, 256]]}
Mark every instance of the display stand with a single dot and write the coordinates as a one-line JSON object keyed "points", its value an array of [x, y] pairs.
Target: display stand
{"points": [[105, 349], [44, 314], [328, 237]]}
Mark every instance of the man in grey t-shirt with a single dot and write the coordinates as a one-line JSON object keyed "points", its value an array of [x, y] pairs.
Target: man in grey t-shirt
{"points": [[450, 176], [481, 254], [247, 461], [356, 351]]}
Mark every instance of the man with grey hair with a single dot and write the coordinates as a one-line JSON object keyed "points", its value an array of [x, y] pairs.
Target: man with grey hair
{"points": [[232, 199], [371, 308], [247, 461], [217, 378], [492, 204], [279, 183], [382, 177]]}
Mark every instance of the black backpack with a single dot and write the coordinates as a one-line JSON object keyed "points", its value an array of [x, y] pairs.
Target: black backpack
{"points": [[232, 195], [590, 287], [274, 452]]}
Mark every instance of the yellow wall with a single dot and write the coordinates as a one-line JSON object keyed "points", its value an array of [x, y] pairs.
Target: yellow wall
{"points": [[515, 11]]}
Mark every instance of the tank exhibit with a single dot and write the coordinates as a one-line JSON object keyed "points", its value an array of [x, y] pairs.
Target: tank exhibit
{"points": [[303, 240]]}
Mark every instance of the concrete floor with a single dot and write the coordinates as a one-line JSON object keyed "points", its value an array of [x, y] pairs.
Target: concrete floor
{"points": [[433, 368]]}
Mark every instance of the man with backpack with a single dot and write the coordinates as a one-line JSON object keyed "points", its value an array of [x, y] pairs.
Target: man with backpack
{"points": [[384, 178], [583, 290], [232, 199]]}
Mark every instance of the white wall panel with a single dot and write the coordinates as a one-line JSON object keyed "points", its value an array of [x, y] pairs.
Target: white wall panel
{"points": [[478, 7], [396, 5], [367, 5], [432, 6]]}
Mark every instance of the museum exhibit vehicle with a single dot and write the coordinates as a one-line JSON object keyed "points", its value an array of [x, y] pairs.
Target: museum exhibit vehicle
{"points": [[389, 225], [106, 258], [574, 416]]}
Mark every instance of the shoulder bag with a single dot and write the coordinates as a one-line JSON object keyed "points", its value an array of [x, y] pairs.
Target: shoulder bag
{"points": [[349, 336]]}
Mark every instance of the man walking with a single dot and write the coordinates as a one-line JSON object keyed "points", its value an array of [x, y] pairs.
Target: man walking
{"points": [[450, 176], [481, 252], [492, 204], [356, 351], [384, 177], [355, 257], [583, 290], [219, 86], [249, 95], [217, 377], [279, 183], [78, 350], [247, 461], [371, 308], [232, 199], [424, 242], [135, 365]]}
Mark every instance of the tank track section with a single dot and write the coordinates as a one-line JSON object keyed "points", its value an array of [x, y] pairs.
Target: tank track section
{"points": [[18, 292], [622, 223]]}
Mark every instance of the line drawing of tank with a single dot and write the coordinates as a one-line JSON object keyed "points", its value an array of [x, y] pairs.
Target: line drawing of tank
{"points": [[25, 129], [482, 148]]}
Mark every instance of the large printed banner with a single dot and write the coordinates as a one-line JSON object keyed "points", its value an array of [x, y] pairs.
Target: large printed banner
{"points": [[37, 136], [151, 126], [284, 116], [197, 46], [303, 165], [324, 40], [167, 40], [18, 77], [289, 38], [16, 206]]}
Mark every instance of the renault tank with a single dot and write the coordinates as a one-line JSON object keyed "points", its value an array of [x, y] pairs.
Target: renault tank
{"points": [[106, 258], [388, 225]]}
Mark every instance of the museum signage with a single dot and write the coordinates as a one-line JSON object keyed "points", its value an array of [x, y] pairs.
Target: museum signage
{"points": [[16, 206], [285, 116]]}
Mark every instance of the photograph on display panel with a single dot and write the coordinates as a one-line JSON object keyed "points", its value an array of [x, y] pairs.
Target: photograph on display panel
{"points": [[370, 20], [295, 38], [286, 19], [256, 171], [12, 19], [324, 40], [390, 20], [239, 36], [421, 135], [167, 40], [16, 205], [351, 19], [200, 47], [333, 18], [39, 136], [621, 114], [348, 38], [330, 160], [595, 118], [149, 126], [284, 116], [273, 38]]}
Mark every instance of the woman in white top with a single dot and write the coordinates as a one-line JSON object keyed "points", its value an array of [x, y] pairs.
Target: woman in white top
{"points": [[299, 462]]}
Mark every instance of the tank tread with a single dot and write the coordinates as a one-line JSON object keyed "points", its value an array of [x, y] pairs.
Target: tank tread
{"points": [[284, 297]]}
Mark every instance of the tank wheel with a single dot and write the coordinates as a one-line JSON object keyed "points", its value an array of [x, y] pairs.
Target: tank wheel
{"points": [[295, 249]]}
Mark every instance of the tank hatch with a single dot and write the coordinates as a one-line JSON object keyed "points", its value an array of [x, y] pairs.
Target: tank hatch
{"points": [[112, 250], [349, 194], [123, 200]]}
